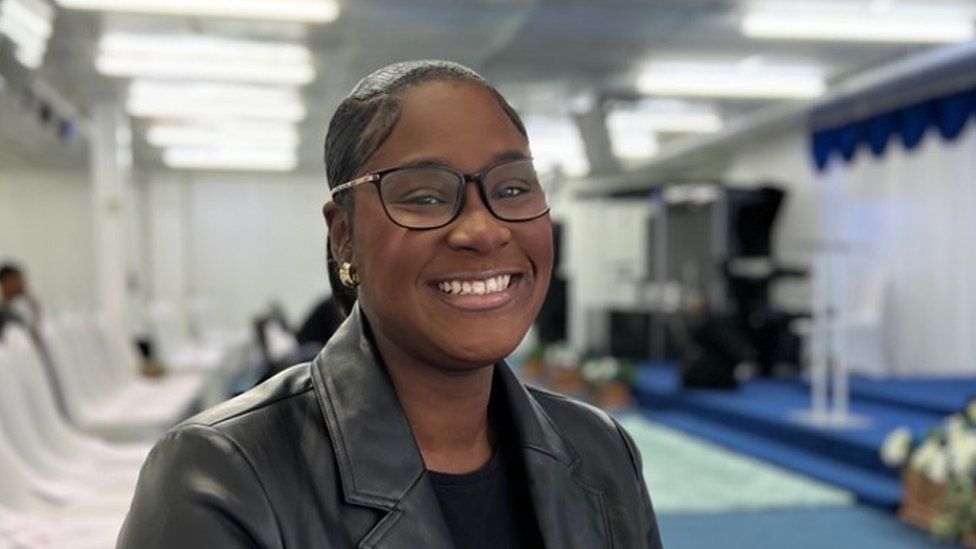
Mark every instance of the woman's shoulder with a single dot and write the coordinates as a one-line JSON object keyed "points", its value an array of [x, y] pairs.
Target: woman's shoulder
{"points": [[255, 424], [272, 424], [246, 459], [274, 396]]}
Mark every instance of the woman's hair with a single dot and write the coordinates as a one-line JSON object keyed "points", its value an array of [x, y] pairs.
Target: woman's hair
{"points": [[365, 119]]}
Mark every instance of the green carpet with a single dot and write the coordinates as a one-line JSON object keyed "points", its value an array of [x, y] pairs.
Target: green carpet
{"points": [[686, 474]]}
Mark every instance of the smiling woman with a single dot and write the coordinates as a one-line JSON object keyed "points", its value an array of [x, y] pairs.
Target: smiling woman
{"points": [[409, 430]]}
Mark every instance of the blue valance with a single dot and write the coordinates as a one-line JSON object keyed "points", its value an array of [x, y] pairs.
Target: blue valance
{"points": [[948, 114]]}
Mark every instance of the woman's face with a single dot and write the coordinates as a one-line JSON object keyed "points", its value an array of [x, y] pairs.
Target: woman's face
{"points": [[402, 271]]}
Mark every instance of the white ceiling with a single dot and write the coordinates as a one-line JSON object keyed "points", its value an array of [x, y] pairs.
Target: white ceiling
{"points": [[540, 53]]}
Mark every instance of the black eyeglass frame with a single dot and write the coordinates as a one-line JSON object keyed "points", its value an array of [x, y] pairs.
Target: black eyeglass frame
{"points": [[376, 178]]}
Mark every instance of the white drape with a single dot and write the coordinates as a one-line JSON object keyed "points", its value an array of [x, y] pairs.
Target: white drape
{"points": [[910, 217]]}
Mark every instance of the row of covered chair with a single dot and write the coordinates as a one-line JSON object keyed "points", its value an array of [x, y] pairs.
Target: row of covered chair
{"points": [[98, 372], [76, 422], [61, 486]]}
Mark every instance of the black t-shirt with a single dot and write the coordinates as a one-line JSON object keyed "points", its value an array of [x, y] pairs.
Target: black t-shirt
{"points": [[491, 507]]}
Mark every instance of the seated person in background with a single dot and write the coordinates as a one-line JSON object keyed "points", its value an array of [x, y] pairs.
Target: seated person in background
{"points": [[19, 306], [320, 324], [16, 302]]}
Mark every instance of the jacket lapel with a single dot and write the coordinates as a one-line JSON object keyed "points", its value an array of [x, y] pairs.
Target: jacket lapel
{"points": [[415, 522], [379, 463], [570, 513]]}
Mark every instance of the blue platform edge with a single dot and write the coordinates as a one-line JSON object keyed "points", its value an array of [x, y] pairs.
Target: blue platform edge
{"points": [[757, 419]]}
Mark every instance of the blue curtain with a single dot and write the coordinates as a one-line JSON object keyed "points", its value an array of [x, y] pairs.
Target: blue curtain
{"points": [[948, 115]]}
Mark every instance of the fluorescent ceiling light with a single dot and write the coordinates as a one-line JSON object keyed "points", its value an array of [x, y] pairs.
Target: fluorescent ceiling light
{"points": [[202, 57], [28, 24], [209, 101], [556, 145], [694, 193], [668, 116], [304, 11], [863, 21], [630, 140], [272, 136], [32, 16], [731, 80], [208, 158]]}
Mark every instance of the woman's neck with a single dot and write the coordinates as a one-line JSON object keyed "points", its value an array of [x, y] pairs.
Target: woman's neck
{"points": [[447, 410]]}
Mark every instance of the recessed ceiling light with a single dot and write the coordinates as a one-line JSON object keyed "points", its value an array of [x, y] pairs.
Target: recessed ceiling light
{"points": [[213, 101], [269, 135], [629, 138], [730, 80], [556, 144], [204, 57], [669, 116], [245, 159], [303, 11], [28, 25], [860, 21]]}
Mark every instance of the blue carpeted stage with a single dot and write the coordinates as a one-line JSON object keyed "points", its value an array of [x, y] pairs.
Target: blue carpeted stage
{"points": [[756, 419]]}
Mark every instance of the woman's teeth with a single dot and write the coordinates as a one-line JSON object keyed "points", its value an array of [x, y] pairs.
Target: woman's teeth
{"points": [[476, 287]]}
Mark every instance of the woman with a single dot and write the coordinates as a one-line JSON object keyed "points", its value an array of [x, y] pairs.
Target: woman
{"points": [[408, 430]]}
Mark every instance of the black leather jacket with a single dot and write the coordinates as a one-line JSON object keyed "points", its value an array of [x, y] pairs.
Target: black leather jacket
{"points": [[322, 456]]}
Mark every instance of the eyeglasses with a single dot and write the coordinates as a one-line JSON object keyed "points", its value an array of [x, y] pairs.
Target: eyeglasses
{"points": [[430, 197]]}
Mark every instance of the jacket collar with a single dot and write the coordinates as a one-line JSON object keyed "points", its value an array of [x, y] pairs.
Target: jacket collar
{"points": [[380, 465]]}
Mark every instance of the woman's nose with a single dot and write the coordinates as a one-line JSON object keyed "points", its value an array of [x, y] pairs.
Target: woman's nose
{"points": [[476, 228]]}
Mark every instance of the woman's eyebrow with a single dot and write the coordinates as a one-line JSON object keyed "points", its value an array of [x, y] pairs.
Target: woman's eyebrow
{"points": [[437, 162], [511, 154], [426, 162]]}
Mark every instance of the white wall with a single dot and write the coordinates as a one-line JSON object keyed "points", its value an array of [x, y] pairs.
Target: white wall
{"points": [[45, 226], [605, 262], [909, 218], [239, 241]]}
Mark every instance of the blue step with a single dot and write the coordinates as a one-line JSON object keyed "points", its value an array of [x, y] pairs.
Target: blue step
{"points": [[764, 408], [942, 397], [869, 487]]}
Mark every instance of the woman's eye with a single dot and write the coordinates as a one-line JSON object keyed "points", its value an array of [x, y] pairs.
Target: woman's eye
{"points": [[510, 192], [421, 199], [429, 200]]}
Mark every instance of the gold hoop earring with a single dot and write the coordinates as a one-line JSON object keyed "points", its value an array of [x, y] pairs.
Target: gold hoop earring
{"points": [[348, 275]]}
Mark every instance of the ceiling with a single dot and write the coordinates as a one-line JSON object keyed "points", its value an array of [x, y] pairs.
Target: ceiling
{"points": [[540, 53]]}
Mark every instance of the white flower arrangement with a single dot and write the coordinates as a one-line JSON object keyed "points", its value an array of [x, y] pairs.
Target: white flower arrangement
{"points": [[947, 458], [962, 452], [897, 447], [956, 424], [562, 355], [949, 449], [598, 371]]}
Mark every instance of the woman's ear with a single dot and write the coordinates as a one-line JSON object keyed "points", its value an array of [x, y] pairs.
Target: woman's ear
{"points": [[336, 219]]}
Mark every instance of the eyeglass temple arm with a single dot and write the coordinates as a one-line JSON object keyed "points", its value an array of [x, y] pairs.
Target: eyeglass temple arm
{"points": [[358, 181]]}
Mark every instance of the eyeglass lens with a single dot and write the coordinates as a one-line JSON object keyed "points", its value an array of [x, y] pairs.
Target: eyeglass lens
{"points": [[427, 197]]}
